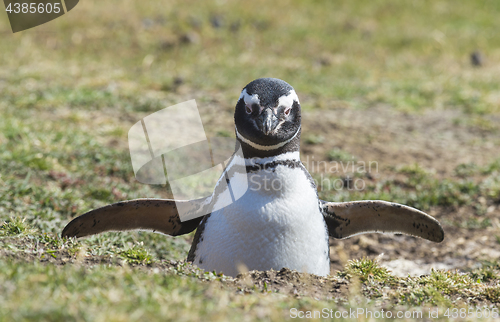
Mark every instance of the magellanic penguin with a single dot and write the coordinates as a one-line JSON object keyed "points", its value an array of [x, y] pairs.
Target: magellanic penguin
{"points": [[279, 221]]}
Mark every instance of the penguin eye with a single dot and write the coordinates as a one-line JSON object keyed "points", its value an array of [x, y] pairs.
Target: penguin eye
{"points": [[248, 109], [288, 110]]}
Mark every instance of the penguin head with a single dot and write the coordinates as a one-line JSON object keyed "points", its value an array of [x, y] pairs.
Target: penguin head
{"points": [[267, 113]]}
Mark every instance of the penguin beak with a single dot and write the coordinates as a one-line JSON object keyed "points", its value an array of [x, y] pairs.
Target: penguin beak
{"points": [[267, 121]]}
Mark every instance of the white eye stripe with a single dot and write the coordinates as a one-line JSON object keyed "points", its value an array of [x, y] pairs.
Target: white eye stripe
{"points": [[288, 99], [285, 100], [249, 99]]}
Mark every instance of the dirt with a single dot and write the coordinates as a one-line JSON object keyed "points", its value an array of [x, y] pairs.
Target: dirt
{"points": [[293, 283], [438, 142], [434, 140], [285, 281]]}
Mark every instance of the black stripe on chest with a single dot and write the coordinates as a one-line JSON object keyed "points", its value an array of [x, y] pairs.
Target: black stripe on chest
{"points": [[292, 164]]}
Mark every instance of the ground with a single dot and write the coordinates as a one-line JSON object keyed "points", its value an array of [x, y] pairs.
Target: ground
{"points": [[385, 83]]}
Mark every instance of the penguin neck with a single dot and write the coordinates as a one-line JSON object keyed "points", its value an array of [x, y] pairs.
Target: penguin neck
{"points": [[253, 150]]}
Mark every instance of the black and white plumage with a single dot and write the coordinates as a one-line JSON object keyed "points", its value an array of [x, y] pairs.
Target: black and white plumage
{"points": [[279, 221]]}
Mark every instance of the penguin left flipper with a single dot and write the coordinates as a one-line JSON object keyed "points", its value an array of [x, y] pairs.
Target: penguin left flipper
{"points": [[159, 215], [345, 219]]}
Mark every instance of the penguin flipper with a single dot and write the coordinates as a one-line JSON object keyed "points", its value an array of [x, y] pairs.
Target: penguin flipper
{"points": [[345, 219], [159, 215]]}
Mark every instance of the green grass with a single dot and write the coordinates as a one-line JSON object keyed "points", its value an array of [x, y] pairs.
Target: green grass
{"points": [[313, 139], [340, 155], [14, 226], [73, 293], [421, 189], [137, 255], [116, 293], [366, 270], [412, 56], [440, 288], [71, 89]]}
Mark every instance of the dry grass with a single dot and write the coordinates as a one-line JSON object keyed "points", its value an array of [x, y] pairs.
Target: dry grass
{"points": [[71, 89]]}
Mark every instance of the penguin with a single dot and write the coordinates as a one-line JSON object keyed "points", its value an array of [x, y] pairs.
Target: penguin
{"points": [[279, 222]]}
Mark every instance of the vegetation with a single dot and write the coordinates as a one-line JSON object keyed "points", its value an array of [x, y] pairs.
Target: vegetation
{"points": [[71, 89]]}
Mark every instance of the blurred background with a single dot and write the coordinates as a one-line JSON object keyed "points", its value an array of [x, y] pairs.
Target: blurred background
{"points": [[411, 56], [411, 85]]}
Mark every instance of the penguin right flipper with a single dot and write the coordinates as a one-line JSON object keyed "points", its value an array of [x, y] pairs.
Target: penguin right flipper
{"points": [[345, 219], [159, 215]]}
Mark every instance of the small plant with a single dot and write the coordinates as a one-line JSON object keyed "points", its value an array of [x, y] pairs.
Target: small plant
{"points": [[50, 241], [492, 294], [465, 170], [484, 274], [102, 194], [367, 269], [340, 155], [223, 133], [15, 226], [137, 255], [313, 139], [416, 173], [492, 167]]}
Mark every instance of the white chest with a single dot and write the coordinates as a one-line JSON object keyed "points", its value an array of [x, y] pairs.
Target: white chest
{"points": [[276, 224]]}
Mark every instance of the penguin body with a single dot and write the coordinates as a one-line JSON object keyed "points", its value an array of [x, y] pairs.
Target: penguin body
{"points": [[279, 221]]}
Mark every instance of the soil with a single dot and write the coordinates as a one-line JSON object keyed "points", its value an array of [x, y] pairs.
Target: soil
{"points": [[434, 140], [285, 281], [438, 142]]}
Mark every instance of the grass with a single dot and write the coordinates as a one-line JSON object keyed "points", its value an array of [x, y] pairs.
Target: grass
{"points": [[440, 288], [71, 89], [92, 294], [339, 155], [313, 139], [344, 53], [419, 188], [111, 292], [137, 255], [14, 227]]}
